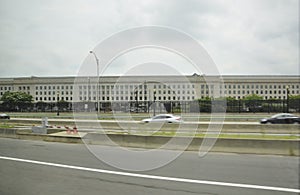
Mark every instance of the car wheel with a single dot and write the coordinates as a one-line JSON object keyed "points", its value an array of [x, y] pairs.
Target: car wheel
{"points": [[268, 123], [296, 123]]}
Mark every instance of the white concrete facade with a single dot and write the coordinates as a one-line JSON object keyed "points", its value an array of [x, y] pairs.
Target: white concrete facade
{"points": [[145, 88]]}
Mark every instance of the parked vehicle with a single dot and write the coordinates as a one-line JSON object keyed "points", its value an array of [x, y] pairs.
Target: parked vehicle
{"points": [[164, 118], [4, 116], [282, 118]]}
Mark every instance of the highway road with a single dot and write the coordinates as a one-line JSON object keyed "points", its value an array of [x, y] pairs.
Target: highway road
{"points": [[228, 127], [127, 121], [34, 167]]}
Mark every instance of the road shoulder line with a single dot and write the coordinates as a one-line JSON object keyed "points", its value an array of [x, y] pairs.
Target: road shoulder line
{"points": [[154, 177]]}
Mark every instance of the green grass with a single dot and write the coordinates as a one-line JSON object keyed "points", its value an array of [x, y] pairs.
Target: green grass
{"points": [[140, 116], [6, 125], [230, 136], [271, 137]]}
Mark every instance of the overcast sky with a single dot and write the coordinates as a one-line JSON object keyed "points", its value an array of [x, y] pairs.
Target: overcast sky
{"points": [[48, 38]]}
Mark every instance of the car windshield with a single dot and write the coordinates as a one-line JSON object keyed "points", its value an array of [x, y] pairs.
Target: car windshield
{"points": [[281, 115], [162, 116], [158, 117]]}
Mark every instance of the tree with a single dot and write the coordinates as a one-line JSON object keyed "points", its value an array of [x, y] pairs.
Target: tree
{"points": [[14, 97], [294, 97], [16, 100], [253, 97]]}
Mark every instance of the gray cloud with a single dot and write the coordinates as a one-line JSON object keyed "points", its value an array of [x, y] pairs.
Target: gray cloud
{"points": [[54, 37]]}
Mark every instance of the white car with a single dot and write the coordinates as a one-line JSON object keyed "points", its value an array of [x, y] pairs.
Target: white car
{"points": [[164, 118], [4, 116]]}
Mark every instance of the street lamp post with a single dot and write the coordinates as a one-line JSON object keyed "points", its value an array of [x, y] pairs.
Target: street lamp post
{"points": [[154, 98], [57, 103], [97, 86], [136, 100], [287, 98]]}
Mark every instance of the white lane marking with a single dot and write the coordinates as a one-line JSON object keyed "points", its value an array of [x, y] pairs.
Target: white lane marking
{"points": [[155, 177]]}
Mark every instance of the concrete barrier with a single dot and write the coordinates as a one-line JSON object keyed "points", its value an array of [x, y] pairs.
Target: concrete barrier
{"points": [[8, 132], [63, 139], [251, 146], [28, 135], [200, 128], [39, 130]]}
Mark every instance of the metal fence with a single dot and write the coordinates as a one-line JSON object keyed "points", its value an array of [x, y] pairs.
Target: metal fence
{"points": [[234, 106]]}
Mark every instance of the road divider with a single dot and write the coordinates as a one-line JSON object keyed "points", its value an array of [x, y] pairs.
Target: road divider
{"points": [[251, 146], [201, 127]]}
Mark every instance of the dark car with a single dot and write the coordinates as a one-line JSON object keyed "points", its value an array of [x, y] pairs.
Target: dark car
{"points": [[4, 116], [282, 118]]}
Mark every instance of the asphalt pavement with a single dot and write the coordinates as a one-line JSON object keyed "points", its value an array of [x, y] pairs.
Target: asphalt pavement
{"points": [[34, 167]]}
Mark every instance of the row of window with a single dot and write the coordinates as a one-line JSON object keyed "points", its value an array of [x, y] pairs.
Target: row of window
{"points": [[183, 86], [41, 87], [126, 98], [261, 86], [179, 86], [54, 87], [5, 88], [261, 92], [265, 97], [134, 87], [20, 88], [54, 93], [139, 92], [53, 98]]}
